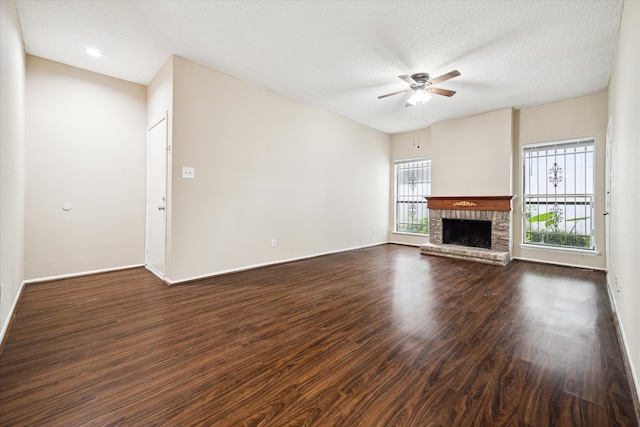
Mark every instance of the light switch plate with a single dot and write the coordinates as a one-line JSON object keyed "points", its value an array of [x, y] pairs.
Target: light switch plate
{"points": [[189, 173]]}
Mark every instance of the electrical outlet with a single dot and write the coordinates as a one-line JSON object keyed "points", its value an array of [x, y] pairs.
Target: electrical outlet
{"points": [[273, 243], [188, 172], [375, 231]]}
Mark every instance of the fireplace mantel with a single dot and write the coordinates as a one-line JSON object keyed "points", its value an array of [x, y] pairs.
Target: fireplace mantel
{"points": [[473, 203]]}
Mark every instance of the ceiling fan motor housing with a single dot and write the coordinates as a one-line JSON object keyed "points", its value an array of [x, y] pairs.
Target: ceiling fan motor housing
{"points": [[420, 77], [423, 82]]}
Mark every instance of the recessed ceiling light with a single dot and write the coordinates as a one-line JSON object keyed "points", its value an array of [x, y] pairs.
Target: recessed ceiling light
{"points": [[93, 52]]}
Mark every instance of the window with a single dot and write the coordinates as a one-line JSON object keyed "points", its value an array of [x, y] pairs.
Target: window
{"points": [[559, 194], [413, 183]]}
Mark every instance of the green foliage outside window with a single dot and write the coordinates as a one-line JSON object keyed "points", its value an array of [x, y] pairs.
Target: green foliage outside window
{"points": [[415, 227], [547, 231]]}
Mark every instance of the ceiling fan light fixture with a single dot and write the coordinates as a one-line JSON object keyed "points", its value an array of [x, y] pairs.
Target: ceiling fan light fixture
{"points": [[93, 52], [419, 97]]}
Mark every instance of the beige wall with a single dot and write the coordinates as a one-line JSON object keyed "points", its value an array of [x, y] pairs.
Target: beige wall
{"points": [[12, 176], [160, 93], [85, 145], [481, 155], [472, 156], [267, 167], [573, 118], [404, 146], [624, 109], [160, 104]]}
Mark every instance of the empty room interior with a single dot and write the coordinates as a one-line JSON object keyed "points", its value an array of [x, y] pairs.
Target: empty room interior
{"points": [[354, 213]]}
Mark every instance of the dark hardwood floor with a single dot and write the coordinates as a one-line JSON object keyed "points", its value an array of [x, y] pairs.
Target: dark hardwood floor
{"points": [[373, 337]]}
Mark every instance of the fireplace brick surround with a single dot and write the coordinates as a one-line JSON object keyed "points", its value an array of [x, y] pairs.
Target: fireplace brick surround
{"points": [[496, 209]]}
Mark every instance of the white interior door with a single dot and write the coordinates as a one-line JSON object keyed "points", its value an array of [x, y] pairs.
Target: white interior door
{"points": [[156, 197]]}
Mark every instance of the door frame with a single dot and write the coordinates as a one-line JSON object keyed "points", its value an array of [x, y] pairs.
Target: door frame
{"points": [[163, 121], [610, 268]]}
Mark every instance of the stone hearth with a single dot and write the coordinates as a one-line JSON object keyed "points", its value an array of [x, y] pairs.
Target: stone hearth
{"points": [[496, 209]]}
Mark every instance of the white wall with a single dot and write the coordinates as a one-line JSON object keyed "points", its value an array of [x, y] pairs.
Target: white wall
{"points": [[267, 167], [473, 156], [12, 176], [85, 145], [573, 118], [624, 109]]}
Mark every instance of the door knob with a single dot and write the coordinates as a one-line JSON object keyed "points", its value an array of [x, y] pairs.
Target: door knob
{"points": [[605, 213], [160, 208]]}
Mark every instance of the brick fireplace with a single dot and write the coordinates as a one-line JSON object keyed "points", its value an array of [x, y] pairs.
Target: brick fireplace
{"points": [[465, 211]]}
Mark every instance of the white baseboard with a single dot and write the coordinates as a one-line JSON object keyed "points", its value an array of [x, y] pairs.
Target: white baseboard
{"points": [[266, 264], [155, 272], [415, 245], [625, 344], [12, 310], [564, 264], [82, 273]]}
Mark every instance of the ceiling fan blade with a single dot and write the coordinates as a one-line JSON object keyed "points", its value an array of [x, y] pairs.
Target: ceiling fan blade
{"points": [[408, 79], [395, 93], [438, 91], [445, 77]]}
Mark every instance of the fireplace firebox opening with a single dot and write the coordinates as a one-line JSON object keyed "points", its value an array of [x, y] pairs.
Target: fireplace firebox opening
{"points": [[464, 232]]}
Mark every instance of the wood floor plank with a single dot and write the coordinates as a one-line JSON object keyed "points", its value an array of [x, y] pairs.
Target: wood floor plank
{"points": [[381, 336]]}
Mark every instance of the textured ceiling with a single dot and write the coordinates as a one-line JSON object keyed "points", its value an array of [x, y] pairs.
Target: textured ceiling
{"points": [[340, 55]]}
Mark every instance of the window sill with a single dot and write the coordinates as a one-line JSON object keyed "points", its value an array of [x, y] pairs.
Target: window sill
{"points": [[407, 233], [587, 252]]}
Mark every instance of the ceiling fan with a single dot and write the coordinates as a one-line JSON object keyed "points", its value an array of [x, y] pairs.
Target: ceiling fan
{"points": [[421, 86]]}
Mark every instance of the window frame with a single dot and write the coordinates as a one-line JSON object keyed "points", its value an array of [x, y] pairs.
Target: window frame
{"points": [[579, 198], [401, 226]]}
